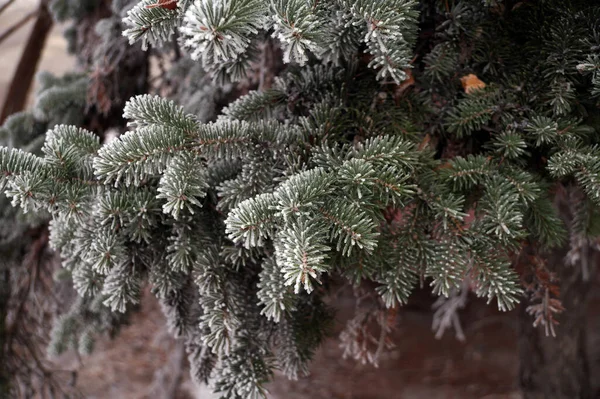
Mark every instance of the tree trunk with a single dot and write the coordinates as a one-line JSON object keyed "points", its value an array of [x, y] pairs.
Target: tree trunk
{"points": [[16, 98], [558, 367], [4, 296]]}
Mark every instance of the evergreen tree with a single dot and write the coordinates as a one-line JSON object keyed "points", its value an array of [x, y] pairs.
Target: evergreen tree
{"points": [[29, 298], [26, 267], [402, 143]]}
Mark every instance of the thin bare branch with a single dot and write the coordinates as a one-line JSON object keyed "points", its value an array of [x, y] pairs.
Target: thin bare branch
{"points": [[4, 6], [6, 34]]}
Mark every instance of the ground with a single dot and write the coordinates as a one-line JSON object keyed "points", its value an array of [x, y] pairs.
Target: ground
{"points": [[142, 359]]}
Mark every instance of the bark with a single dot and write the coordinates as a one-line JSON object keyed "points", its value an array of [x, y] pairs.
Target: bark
{"points": [[16, 97], [4, 296], [558, 367]]}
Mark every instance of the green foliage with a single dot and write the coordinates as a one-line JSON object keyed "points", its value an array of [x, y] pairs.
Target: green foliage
{"points": [[223, 34], [473, 112], [239, 221], [152, 25], [67, 9]]}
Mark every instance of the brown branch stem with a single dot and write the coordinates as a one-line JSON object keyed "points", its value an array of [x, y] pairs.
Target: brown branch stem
{"points": [[21, 82]]}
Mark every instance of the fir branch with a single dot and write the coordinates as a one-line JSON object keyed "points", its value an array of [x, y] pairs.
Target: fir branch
{"points": [[277, 301], [14, 162], [502, 216], [544, 223], [148, 110], [122, 287], [252, 221], [255, 105], [137, 155], [182, 184], [388, 151], [225, 140], [350, 227], [220, 31], [466, 173], [301, 252], [297, 27], [152, 25], [495, 278]]}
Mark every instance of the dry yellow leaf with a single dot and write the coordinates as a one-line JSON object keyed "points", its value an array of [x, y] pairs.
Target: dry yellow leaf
{"points": [[425, 142], [408, 82], [471, 83]]}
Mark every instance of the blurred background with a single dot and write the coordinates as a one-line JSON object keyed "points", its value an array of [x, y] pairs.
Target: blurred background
{"points": [[55, 58]]}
